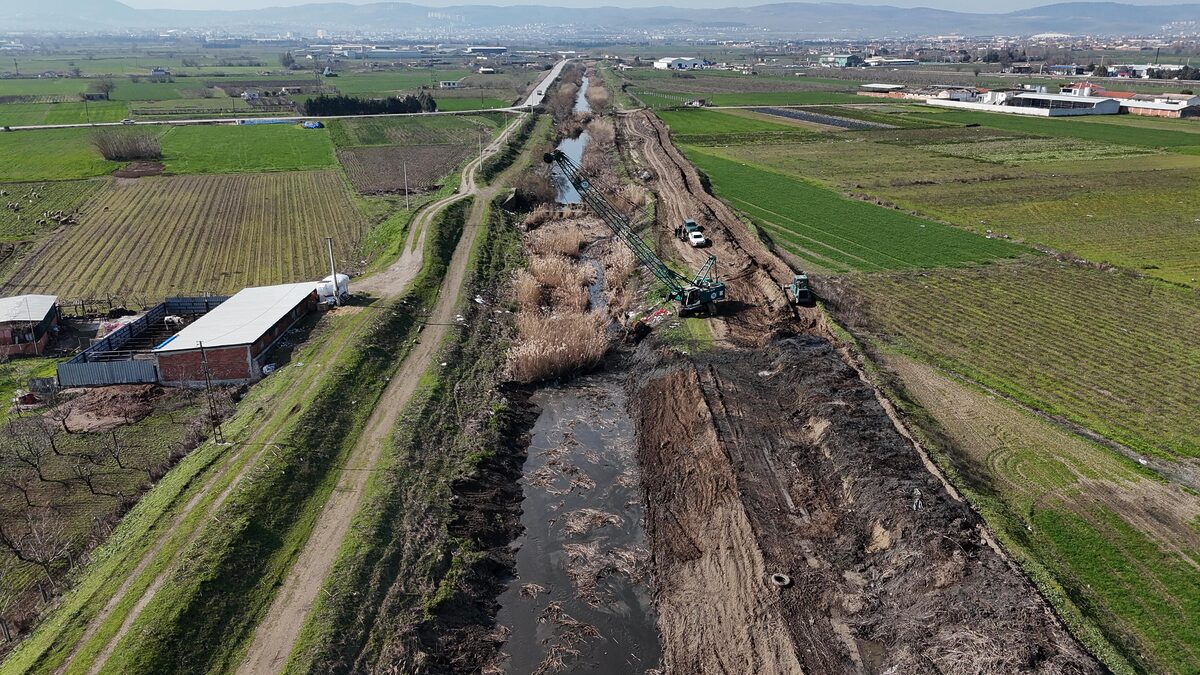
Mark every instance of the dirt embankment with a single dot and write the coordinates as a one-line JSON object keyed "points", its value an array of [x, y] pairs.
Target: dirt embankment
{"points": [[769, 455]]}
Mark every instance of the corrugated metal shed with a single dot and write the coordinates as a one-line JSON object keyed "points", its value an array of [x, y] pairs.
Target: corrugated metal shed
{"points": [[241, 319], [26, 308]]}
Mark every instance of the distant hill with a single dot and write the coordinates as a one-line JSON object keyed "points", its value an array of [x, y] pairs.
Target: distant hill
{"points": [[793, 18]]}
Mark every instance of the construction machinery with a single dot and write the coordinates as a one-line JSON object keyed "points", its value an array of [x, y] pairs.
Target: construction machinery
{"points": [[697, 294], [799, 292]]}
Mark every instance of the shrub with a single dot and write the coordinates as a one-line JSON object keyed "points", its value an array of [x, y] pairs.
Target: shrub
{"points": [[558, 272], [119, 146]]}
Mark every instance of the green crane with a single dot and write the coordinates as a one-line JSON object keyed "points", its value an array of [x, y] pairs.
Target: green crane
{"points": [[699, 293]]}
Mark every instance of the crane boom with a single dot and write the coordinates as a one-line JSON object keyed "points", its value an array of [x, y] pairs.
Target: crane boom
{"points": [[690, 293]]}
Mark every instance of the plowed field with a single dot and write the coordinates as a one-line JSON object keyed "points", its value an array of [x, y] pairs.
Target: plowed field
{"points": [[163, 236]]}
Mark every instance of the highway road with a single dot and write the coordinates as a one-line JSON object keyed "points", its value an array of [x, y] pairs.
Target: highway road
{"points": [[534, 100]]}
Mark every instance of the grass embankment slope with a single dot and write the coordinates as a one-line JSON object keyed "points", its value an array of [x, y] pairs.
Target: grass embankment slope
{"points": [[409, 565]]}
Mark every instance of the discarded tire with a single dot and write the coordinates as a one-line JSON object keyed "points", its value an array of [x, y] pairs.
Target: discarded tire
{"points": [[781, 580]]}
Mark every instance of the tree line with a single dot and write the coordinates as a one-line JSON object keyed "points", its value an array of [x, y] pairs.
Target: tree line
{"points": [[331, 106]]}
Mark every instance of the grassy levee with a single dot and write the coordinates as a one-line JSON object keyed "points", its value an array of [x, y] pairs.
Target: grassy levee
{"points": [[405, 560], [159, 514], [201, 620]]}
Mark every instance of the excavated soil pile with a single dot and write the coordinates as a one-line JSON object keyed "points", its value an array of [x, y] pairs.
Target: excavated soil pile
{"points": [[782, 500], [105, 408]]}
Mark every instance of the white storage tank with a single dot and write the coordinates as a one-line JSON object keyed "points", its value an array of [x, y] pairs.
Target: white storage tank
{"points": [[327, 292]]}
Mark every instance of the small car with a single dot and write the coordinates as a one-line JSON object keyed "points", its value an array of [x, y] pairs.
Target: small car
{"points": [[696, 239], [127, 121]]}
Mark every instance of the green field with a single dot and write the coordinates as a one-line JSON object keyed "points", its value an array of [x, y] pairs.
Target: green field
{"points": [[1127, 205], [37, 198], [21, 114], [1112, 353], [1121, 132], [1110, 545], [838, 234], [358, 84], [422, 130], [51, 154], [236, 149]]}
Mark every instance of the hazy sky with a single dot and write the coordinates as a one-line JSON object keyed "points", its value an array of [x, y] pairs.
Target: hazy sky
{"points": [[961, 5]]}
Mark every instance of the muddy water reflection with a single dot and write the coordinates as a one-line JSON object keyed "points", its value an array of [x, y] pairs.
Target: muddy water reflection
{"points": [[580, 602]]}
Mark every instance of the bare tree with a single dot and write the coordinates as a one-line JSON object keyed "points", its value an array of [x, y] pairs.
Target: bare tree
{"points": [[86, 473], [39, 539], [20, 479]]}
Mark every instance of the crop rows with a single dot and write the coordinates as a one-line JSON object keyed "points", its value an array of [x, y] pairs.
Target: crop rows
{"points": [[165, 236], [811, 220], [34, 200], [1114, 354], [381, 169]]}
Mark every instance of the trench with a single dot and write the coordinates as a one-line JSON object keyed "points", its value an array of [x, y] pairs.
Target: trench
{"points": [[580, 600]]}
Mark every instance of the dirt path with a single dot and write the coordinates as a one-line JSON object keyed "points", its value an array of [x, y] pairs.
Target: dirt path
{"points": [[276, 635], [771, 455]]}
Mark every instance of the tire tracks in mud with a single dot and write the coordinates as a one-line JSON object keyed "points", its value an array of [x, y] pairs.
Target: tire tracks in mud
{"points": [[775, 453], [276, 635]]}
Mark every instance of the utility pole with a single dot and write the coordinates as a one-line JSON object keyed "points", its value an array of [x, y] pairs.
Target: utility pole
{"points": [[337, 297], [211, 396]]}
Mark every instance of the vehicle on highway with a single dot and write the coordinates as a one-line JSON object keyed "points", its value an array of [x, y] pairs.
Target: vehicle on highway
{"points": [[127, 121]]}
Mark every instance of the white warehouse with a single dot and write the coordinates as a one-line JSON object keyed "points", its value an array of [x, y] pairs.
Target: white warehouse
{"points": [[678, 63]]}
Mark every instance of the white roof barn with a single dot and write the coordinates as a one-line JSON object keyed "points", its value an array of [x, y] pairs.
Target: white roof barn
{"points": [[678, 63], [26, 308], [242, 319]]}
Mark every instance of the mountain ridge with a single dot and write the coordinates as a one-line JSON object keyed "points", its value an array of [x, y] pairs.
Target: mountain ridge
{"points": [[803, 19]]}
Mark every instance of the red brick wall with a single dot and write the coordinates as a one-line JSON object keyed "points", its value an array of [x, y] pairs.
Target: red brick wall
{"points": [[298, 312], [1151, 112], [224, 364]]}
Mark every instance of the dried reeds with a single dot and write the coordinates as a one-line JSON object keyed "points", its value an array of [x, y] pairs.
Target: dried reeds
{"points": [[527, 291], [555, 345], [564, 241]]}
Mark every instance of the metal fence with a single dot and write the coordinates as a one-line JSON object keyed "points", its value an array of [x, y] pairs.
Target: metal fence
{"points": [[110, 361]]}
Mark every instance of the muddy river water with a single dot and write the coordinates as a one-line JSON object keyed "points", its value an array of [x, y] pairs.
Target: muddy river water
{"points": [[580, 602]]}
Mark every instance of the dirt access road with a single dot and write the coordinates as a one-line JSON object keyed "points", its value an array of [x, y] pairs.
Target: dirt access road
{"points": [[276, 635], [773, 455]]}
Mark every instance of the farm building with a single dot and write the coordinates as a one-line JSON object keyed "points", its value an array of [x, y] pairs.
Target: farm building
{"points": [[1153, 105], [26, 322], [1036, 103], [678, 63], [487, 51], [229, 344], [123, 352], [1162, 105], [881, 90], [884, 62]]}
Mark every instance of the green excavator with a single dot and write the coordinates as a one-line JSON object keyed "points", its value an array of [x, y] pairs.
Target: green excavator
{"points": [[697, 294]]}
